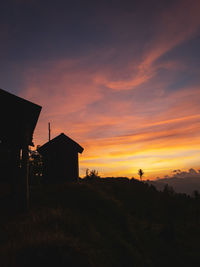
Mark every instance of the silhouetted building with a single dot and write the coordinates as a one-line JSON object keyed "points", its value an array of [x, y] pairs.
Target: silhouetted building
{"points": [[17, 123], [60, 157]]}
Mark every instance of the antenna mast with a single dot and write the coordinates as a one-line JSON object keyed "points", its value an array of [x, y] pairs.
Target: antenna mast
{"points": [[49, 131]]}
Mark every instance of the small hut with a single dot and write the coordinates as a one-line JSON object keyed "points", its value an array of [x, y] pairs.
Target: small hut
{"points": [[60, 157], [18, 121]]}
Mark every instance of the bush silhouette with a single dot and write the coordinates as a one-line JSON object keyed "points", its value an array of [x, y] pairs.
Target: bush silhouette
{"points": [[91, 175]]}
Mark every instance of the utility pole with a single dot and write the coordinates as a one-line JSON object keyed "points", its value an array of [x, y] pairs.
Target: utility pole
{"points": [[49, 131]]}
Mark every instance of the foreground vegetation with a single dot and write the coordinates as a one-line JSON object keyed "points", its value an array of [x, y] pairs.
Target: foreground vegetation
{"points": [[103, 222]]}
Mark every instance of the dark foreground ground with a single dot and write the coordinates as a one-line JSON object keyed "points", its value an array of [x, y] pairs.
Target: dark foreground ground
{"points": [[103, 222]]}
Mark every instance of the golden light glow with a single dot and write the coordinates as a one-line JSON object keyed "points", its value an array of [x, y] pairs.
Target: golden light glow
{"points": [[127, 114]]}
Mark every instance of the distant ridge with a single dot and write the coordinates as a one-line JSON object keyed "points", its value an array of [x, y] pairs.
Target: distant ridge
{"points": [[185, 185]]}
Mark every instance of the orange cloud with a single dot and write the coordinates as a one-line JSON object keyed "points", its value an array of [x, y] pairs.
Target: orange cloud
{"points": [[122, 129], [114, 144]]}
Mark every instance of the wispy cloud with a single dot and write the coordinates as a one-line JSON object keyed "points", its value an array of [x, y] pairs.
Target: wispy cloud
{"points": [[176, 25], [119, 96]]}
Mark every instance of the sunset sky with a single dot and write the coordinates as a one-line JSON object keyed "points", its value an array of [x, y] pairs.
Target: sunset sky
{"points": [[122, 78]]}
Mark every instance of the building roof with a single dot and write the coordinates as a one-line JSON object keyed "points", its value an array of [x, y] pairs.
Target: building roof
{"points": [[60, 142], [18, 119]]}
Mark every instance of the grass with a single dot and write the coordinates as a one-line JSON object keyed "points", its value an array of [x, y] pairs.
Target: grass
{"points": [[111, 222]]}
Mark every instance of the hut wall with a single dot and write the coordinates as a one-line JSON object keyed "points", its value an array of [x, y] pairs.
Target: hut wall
{"points": [[13, 178], [60, 167]]}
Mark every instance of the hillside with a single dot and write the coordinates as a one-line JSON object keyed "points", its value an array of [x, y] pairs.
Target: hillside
{"points": [[182, 182], [103, 222]]}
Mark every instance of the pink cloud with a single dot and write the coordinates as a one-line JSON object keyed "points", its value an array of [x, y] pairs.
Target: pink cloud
{"points": [[61, 88], [176, 25], [76, 97]]}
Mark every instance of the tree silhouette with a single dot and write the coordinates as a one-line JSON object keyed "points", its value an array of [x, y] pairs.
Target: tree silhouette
{"points": [[91, 174], [168, 190], [140, 173], [35, 167]]}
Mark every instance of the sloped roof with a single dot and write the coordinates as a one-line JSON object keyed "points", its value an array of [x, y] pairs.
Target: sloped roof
{"points": [[18, 119], [60, 142]]}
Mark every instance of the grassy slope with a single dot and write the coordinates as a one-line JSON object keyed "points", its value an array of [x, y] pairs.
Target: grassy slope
{"points": [[102, 223]]}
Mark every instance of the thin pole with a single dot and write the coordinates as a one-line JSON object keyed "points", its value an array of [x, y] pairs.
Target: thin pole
{"points": [[49, 131]]}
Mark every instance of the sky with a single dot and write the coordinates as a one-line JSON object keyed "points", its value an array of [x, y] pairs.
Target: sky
{"points": [[121, 78]]}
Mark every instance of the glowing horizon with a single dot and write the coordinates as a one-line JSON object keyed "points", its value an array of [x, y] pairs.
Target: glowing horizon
{"points": [[122, 80]]}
